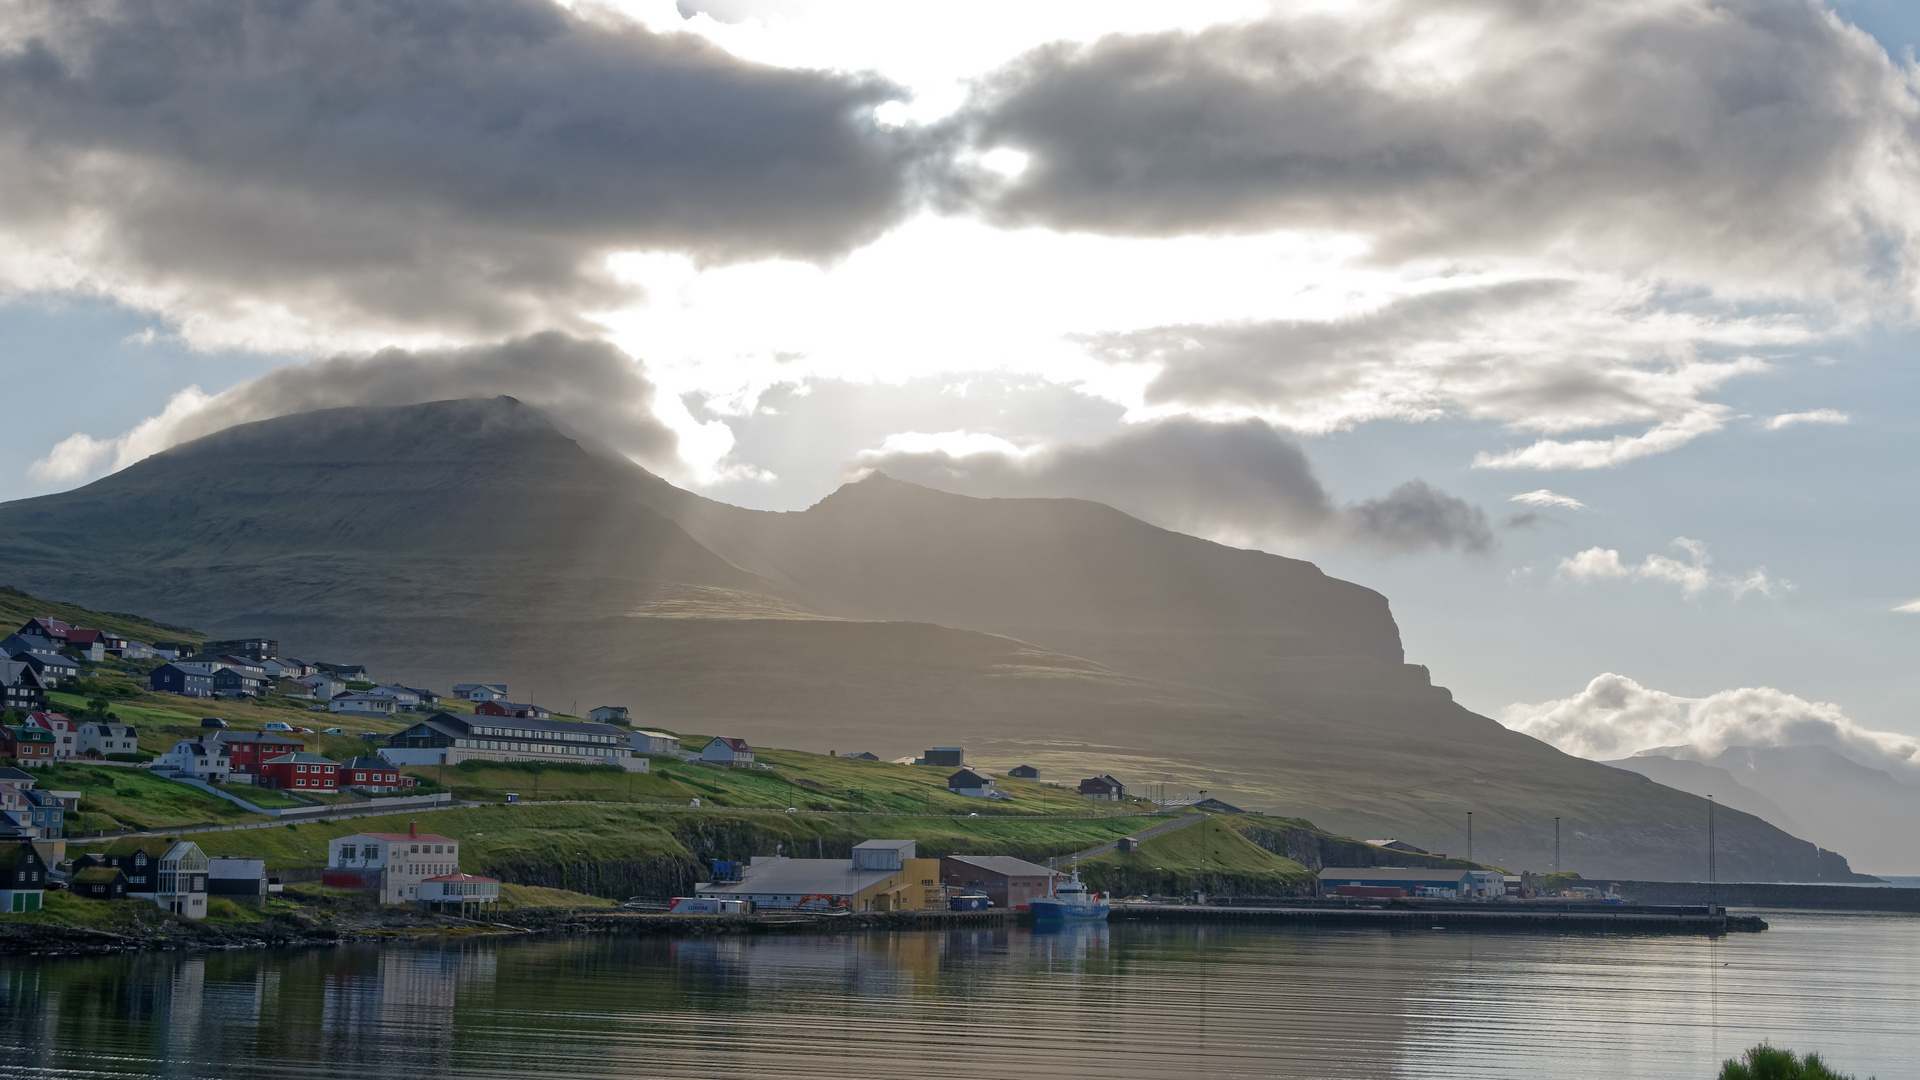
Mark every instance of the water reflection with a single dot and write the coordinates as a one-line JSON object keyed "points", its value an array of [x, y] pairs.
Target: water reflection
{"points": [[1122, 1001]]}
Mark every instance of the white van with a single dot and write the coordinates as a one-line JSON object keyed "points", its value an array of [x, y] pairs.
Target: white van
{"points": [[276, 725]]}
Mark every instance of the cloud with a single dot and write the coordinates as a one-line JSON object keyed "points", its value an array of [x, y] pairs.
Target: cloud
{"points": [[1817, 416], [592, 387], [1911, 607], [1546, 498], [1694, 574], [1615, 717], [1753, 142], [1602, 453], [1238, 482], [308, 169]]}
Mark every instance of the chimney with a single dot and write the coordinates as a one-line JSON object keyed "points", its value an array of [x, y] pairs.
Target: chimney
{"points": [[413, 828]]}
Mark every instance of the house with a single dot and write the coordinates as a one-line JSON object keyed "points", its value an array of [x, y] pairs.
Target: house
{"points": [[98, 883], [168, 871], [299, 771], [100, 738], [23, 877], [373, 774], [66, 746], [30, 813], [244, 881], [204, 758], [363, 703], [254, 649], [173, 650], [184, 678], [21, 688], [451, 738], [520, 709], [322, 687], [53, 668], [1024, 772], [458, 891], [285, 667], [1443, 883], [654, 742], [725, 751], [1103, 787], [232, 681], [1007, 881], [947, 757], [480, 691], [90, 644], [1399, 845], [393, 865], [13, 644], [348, 672], [864, 755], [883, 875], [403, 698], [247, 749], [47, 626], [608, 714], [124, 647], [26, 745], [974, 786]]}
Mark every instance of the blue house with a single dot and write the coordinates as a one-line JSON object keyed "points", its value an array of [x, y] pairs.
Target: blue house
{"points": [[187, 680]]}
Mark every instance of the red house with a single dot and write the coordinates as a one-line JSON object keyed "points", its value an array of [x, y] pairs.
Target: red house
{"points": [[248, 750], [374, 774], [297, 771]]}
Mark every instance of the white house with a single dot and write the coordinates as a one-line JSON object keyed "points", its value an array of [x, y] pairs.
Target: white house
{"points": [[481, 691], [403, 698], [201, 760], [725, 751], [459, 891], [66, 736], [363, 701], [394, 865], [322, 687], [975, 786], [654, 742], [108, 737], [608, 714]]}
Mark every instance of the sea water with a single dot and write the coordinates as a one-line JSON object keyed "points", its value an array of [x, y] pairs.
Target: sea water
{"points": [[1125, 1000]]}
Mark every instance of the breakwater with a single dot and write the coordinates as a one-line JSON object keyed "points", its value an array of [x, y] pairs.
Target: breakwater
{"points": [[1636, 919], [1766, 894]]}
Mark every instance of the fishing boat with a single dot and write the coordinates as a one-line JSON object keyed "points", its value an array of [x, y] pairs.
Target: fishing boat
{"points": [[1071, 901]]}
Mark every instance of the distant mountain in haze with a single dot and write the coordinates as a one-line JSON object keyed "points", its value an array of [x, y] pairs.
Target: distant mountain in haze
{"points": [[477, 541], [1815, 792]]}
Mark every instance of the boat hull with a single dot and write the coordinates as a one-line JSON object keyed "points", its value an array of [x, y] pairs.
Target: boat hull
{"points": [[1047, 909]]}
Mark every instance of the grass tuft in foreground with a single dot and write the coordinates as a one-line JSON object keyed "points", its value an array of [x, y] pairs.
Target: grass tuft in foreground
{"points": [[1764, 1062]]}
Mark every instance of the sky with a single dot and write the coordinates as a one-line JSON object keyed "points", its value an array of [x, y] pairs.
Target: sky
{"points": [[1584, 332]]}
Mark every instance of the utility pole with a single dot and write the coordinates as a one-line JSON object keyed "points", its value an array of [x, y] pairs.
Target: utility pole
{"points": [[1712, 870], [1556, 845], [1469, 836]]}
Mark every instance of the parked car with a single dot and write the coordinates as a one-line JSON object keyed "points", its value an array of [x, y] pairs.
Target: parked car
{"points": [[304, 730], [275, 725], [336, 731], [213, 722], [316, 708]]}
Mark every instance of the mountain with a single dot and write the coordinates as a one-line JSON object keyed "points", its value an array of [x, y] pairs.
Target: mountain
{"points": [[478, 541], [1820, 794], [1699, 778]]}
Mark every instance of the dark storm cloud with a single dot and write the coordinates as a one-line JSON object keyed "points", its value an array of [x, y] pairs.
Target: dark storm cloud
{"points": [[1243, 481], [449, 164], [1740, 137]]}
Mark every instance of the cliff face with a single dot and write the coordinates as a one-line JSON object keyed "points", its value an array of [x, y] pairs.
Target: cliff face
{"points": [[475, 541]]}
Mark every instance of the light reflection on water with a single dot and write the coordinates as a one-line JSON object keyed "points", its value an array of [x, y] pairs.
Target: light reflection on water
{"points": [[1121, 1001]]}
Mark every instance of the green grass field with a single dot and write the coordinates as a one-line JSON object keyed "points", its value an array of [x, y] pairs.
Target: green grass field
{"points": [[137, 798], [1197, 858]]}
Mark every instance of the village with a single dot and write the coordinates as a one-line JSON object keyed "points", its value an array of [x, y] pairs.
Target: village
{"points": [[276, 771]]}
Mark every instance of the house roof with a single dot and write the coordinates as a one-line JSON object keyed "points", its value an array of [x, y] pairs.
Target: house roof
{"points": [[884, 845], [262, 737], [13, 776], [154, 846], [400, 837], [26, 733], [298, 758], [50, 623], [97, 875], [77, 636], [465, 878], [800, 877], [13, 671], [1339, 874], [738, 746], [456, 724], [11, 854], [375, 763], [968, 778], [1004, 865]]}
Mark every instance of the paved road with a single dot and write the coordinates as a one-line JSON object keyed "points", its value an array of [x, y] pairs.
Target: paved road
{"points": [[1143, 834]]}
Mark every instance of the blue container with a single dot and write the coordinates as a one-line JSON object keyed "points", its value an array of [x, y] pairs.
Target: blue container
{"points": [[968, 903]]}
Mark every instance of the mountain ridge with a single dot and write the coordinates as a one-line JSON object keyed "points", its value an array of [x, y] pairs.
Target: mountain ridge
{"points": [[473, 539]]}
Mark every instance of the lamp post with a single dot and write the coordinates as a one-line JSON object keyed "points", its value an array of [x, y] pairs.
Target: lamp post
{"points": [[1556, 845], [1469, 836]]}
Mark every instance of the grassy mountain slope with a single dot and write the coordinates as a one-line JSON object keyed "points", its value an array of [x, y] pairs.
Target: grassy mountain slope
{"points": [[472, 541]]}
